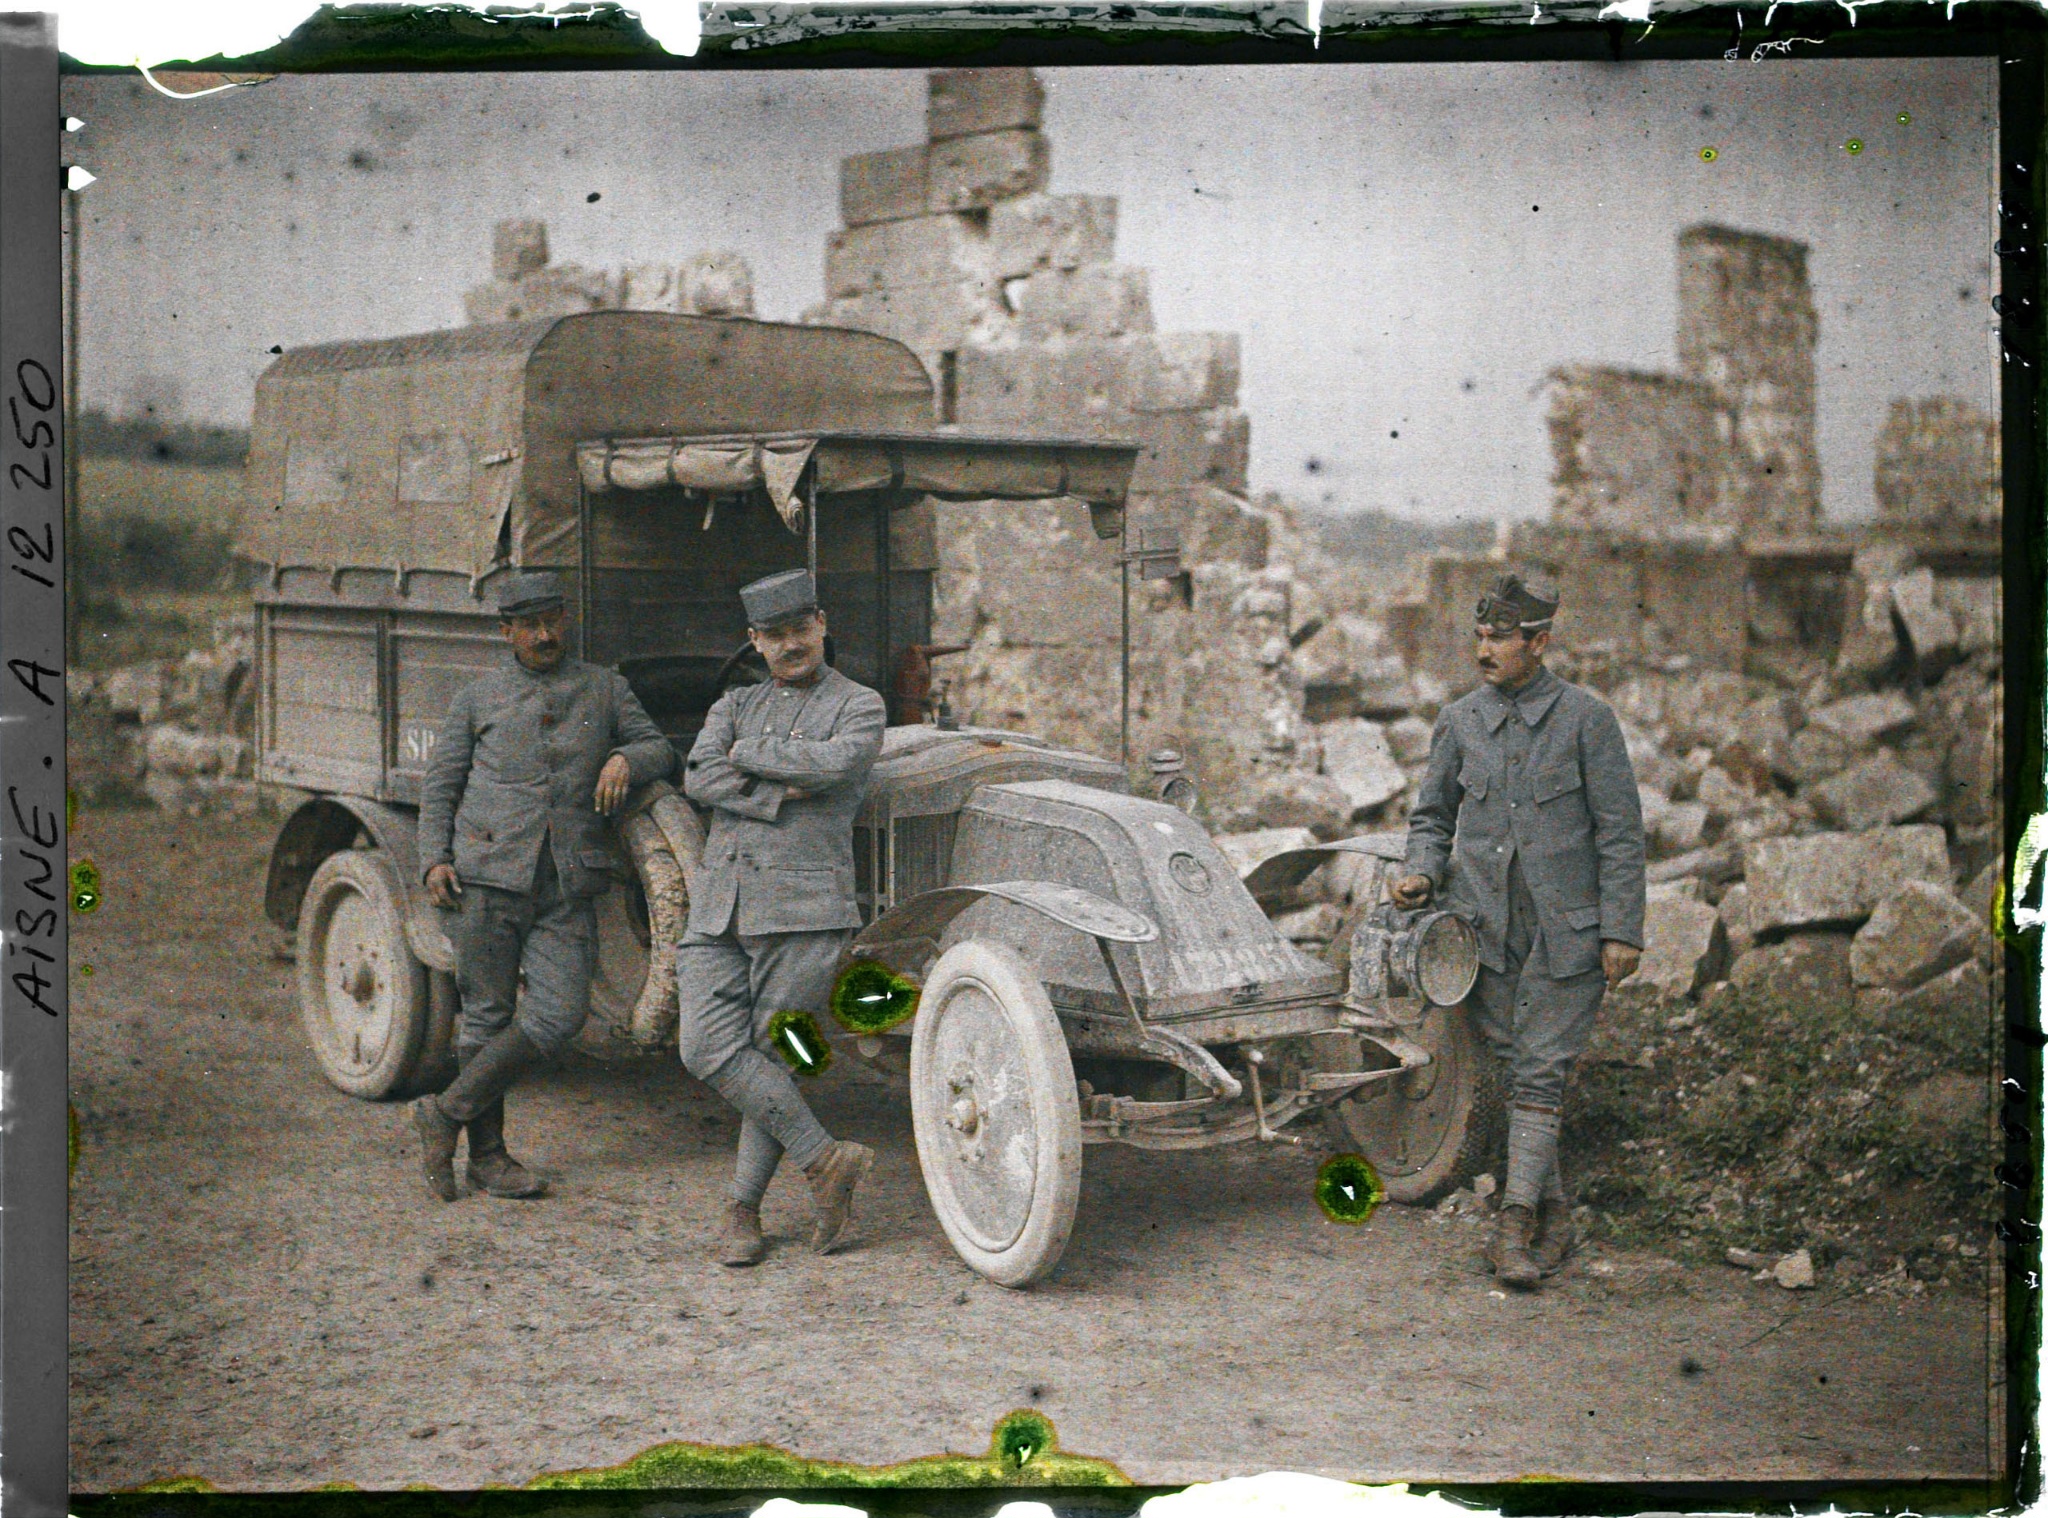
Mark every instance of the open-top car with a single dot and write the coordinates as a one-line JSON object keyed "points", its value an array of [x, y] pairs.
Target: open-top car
{"points": [[1074, 963]]}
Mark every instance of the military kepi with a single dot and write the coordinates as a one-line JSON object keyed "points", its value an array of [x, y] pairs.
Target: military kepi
{"points": [[779, 598], [1525, 601], [528, 592]]}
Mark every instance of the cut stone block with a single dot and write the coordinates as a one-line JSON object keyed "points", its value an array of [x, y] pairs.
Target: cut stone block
{"points": [[1977, 605], [650, 287], [1930, 629], [1409, 739], [1684, 949], [1356, 755], [965, 101], [1192, 447], [1734, 909], [519, 247], [1690, 888], [1808, 972], [1681, 826], [1829, 878], [1189, 371], [1862, 720], [558, 290], [1076, 388], [921, 250], [717, 284], [1036, 232], [1915, 934], [1816, 753], [928, 319], [1295, 798], [1868, 642], [886, 186], [1215, 525], [1095, 300], [1878, 791], [974, 173]]}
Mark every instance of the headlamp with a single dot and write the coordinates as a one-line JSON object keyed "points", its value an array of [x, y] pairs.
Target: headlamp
{"points": [[1427, 953]]}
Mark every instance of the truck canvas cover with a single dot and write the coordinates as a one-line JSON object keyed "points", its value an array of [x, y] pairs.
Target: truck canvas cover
{"points": [[454, 450]]}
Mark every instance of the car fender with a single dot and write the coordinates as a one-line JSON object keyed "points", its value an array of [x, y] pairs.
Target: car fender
{"points": [[327, 825]]}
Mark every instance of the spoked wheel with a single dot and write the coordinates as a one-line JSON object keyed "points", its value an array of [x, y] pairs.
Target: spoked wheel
{"points": [[1427, 1131], [996, 1113], [362, 995]]}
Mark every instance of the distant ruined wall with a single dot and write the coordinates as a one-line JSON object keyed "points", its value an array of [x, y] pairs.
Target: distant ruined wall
{"points": [[1938, 465], [525, 286]]}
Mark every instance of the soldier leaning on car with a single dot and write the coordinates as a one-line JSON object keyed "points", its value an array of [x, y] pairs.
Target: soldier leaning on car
{"points": [[512, 843], [1530, 794], [784, 767]]}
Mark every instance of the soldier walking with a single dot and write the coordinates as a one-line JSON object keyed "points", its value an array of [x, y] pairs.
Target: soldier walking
{"points": [[527, 764], [784, 767], [1530, 805]]}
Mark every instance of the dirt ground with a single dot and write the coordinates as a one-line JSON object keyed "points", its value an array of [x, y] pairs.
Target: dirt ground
{"points": [[264, 1295]]}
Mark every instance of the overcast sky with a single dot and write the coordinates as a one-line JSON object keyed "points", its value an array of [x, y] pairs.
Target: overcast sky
{"points": [[1404, 249]]}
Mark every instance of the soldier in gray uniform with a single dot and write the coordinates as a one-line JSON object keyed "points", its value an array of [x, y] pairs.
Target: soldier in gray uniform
{"points": [[1531, 796], [784, 767], [512, 844]]}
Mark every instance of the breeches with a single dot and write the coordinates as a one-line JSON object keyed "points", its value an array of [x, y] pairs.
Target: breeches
{"points": [[552, 937], [1537, 1024], [731, 985]]}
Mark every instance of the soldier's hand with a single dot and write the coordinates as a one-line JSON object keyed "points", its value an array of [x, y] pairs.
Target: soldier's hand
{"points": [[1618, 960], [1412, 891], [613, 781], [442, 886]]}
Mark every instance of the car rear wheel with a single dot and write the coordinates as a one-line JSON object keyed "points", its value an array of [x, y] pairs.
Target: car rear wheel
{"points": [[996, 1114], [362, 995]]}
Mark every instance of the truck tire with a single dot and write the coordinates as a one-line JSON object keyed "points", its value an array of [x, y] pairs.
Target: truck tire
{"points": [[362, 996], [1430, 1131], [633, 991], [996, 1114]]}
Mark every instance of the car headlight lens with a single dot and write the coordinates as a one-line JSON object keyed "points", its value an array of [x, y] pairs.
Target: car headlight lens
{"points": [[1431, 954]]}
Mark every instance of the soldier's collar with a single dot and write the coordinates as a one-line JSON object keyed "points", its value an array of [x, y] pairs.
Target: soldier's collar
{"points": [[1534, 700]]}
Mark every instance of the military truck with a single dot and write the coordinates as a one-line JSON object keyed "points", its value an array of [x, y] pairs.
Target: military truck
{"points": [[1089, 967]]}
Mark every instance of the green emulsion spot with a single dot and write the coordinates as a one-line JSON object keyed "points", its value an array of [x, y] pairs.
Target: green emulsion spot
{"points": [[800, 1041], [870, 997], [1853, 146], [70, 809], [1708, 155], [1348, 1188], [1905, 118], [85, 886], [1020, 1438]]}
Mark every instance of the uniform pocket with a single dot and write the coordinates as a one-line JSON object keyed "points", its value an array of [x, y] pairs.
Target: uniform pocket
{"points": [[1555, 783], [1473, 779], [1581, 918]]}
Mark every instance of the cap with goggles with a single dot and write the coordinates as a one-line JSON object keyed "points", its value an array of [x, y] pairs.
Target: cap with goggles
{"points": [[1518, 603]]}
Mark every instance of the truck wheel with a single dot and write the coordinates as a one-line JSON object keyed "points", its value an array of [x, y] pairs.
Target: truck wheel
{"points": [[362, 995], [1428, 1131], [996, 1113]]}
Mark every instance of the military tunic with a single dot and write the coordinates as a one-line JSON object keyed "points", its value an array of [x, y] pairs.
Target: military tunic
{"points": [[509, 801], [773, 901], [1528, 820]]}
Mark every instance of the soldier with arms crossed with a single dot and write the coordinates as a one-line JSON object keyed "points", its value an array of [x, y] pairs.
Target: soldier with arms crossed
{"points": [[784, 768], [512, 842], [1530, 794]]}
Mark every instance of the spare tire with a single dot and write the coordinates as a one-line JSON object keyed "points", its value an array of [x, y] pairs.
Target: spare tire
{"points": [[640, 921]]}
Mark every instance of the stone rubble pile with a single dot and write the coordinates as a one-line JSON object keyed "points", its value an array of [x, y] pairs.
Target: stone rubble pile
{"points": [[180, 731], [525, 286]]}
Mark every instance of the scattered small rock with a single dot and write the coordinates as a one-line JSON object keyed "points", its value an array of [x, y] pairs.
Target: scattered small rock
{"points": [[424, 1431], [1795, 1271], [1748, 1259]]}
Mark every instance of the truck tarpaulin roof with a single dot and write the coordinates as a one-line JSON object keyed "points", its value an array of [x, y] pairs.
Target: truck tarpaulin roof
{"points": [[441, 451], [950, 466]]}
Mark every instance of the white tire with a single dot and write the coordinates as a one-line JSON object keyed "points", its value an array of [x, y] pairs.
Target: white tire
{"points": [[362, 995], [996, 1113]]}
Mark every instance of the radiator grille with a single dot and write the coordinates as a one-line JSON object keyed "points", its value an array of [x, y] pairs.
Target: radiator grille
{"points": [[924, 853]]}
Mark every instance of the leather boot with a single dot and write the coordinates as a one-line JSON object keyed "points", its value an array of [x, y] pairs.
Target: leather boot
{"points": [[437, 1134], [742, 1244], [487, 1075], [1507, 1252], [491, 1168], [833, 1175], [1556, 1235]]}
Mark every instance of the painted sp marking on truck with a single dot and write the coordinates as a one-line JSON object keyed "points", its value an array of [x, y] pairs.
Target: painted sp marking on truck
{"points": [[416, 745]]}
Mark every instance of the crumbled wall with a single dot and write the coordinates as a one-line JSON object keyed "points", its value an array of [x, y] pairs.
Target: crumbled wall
{"points": [[1938, 465], [1747, 331], [525, 286], [1633, 449]]}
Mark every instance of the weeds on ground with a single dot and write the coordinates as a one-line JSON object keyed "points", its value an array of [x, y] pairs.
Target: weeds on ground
{"points": [[1747, 1122]]}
